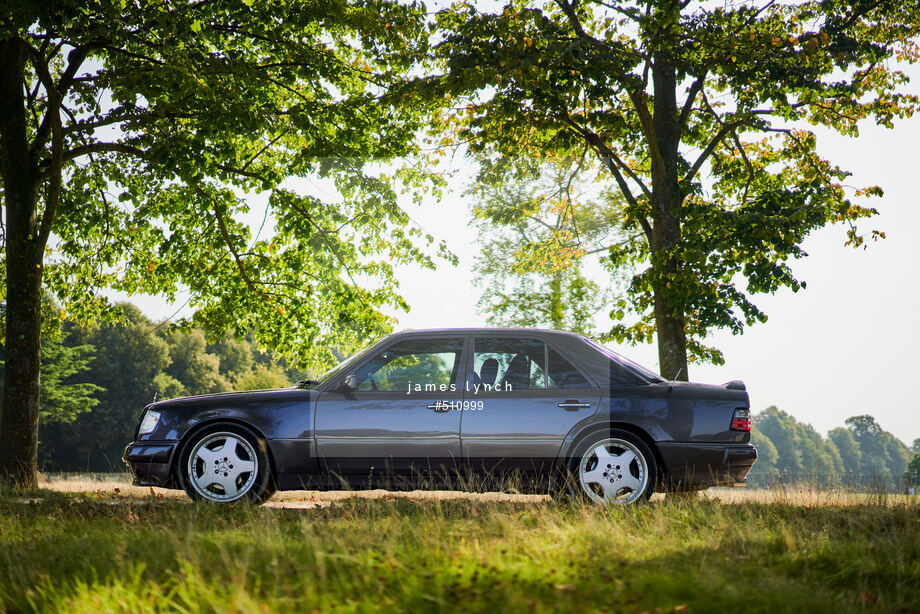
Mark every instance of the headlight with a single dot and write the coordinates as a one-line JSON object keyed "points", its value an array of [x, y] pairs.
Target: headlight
{"points": [[150, 421]]}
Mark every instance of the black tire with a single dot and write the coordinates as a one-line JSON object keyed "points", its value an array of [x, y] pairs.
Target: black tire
{"points": [[626, 483], [229, 466]]}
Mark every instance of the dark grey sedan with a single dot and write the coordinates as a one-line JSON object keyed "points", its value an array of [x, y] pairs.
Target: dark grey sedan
{"points": [[530, 410]]}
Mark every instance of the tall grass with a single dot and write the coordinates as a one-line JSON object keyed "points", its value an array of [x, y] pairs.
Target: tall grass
{"points": [[724, 551]]}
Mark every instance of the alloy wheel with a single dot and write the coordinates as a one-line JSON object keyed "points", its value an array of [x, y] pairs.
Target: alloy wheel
{"points": [[613, 471], [222, 467]]}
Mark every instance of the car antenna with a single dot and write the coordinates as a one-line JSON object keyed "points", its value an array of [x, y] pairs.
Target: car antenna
{"points": [[156, 393], [676, 375]]}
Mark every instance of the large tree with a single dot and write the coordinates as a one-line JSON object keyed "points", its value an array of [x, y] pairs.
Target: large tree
{"points": [[192, 365], [536, 233], [135, 138], [912, 474], [94, 441], [801, 451], [65, 394], [850, 455], [860, 455], [702, 114], [882, 453]]}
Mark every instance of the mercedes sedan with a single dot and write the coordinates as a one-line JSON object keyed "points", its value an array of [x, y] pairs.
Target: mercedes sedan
{"points": [[484, 409]]}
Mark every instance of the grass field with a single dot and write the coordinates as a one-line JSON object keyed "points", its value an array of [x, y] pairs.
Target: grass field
{"points": [[86, 546]]}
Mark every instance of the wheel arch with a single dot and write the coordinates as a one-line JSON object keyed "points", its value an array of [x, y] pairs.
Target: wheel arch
{"points": [[237, 422]]}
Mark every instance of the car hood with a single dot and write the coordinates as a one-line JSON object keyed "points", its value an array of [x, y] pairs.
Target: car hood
{"points": [[234, 398]]}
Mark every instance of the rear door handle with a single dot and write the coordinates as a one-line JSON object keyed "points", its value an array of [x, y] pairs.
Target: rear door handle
{"points": [[573, 405]]}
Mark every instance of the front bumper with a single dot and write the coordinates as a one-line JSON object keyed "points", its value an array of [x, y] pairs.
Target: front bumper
{"points": [[150, 462], [700, 465]]}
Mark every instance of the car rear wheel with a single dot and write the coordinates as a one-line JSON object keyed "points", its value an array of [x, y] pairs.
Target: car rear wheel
{"points": [[613, 467], [225, 463]]}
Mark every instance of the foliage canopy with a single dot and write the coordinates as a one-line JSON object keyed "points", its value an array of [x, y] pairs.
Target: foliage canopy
{"points": [[179, 123]]}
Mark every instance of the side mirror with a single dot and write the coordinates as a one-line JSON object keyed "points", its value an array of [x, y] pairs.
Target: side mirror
{"points": [[351, 382]]}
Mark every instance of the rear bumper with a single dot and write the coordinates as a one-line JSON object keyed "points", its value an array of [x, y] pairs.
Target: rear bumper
{"points": [[150, 463], [700, 465]]}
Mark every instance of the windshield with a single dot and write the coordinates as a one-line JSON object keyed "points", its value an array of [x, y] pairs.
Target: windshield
{"points": [[646, 373], [345, 364], [339, 367]]}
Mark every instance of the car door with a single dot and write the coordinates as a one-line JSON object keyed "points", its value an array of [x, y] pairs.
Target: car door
{"points": [[531, 396], [402, 418]]}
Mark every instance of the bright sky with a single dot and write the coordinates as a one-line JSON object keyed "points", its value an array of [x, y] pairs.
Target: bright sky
{"points": [[846, 345]]}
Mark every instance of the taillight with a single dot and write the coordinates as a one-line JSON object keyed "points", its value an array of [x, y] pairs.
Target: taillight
{"points": [[741, 420]]}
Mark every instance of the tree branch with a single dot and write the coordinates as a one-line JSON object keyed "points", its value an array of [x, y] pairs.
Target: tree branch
{"points": [[636, 95], [75, 60], [598, 144], [606, 248], [611, 161], [332, 249], [228, 240], [91, 148], [711, 147], [53, 195], [243, 172], [83, 150], [724, 130], [138, 119], [695, 88], [747, 164]]}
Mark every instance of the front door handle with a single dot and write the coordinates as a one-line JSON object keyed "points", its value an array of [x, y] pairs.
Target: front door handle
{"points": [[441, 406], [573, 405]]}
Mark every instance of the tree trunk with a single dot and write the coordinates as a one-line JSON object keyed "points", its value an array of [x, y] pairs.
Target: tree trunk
{"points": [[669, 316], [672, 336], [667, 201], [556, 313], [19, 413]]}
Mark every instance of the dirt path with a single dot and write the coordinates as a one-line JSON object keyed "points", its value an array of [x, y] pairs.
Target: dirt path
{"points": [[118, 487]]}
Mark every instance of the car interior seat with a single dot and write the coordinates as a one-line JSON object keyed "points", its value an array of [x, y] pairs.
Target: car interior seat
{"points": [[488, 372], [518, 373]]}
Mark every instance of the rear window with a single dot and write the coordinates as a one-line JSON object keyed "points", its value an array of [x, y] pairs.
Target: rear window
{"points": [[623, 371], [562, 374]]}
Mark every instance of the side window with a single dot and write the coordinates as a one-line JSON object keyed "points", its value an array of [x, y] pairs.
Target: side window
{"points": [[509, 364], [562, 374], [430, 363]]}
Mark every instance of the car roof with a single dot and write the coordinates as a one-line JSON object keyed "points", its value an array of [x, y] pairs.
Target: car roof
{"points": [[486, 330]]}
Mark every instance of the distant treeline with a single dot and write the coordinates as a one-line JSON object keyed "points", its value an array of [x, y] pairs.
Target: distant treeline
{"points": [[860, 455], [96, 379]]}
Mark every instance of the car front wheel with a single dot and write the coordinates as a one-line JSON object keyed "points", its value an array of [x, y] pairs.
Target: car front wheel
{"points": [[224, 464], [613, 467]]}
